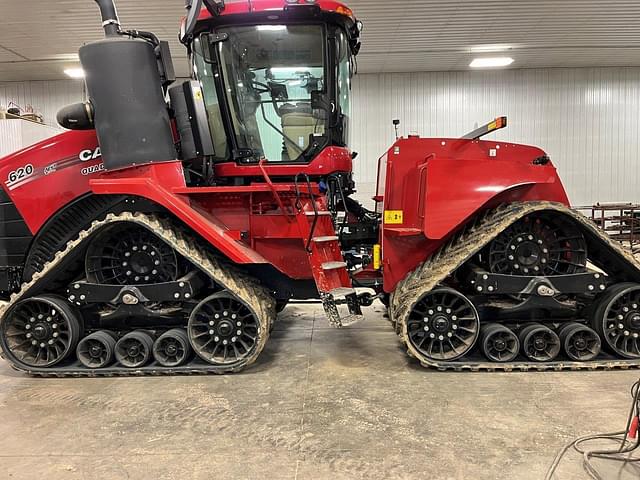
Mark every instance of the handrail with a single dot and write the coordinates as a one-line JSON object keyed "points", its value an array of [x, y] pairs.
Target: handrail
{"points": [[273, 188], [313, 204]]}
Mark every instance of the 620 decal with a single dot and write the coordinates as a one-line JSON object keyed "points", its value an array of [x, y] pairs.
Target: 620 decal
{"points": [[19, 174]]}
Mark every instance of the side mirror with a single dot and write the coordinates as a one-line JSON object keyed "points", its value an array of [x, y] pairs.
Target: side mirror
{"points": [[193, 8], [215, 7]]}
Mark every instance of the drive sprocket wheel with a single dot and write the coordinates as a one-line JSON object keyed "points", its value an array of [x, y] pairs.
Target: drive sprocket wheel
{"points": [[443, 325], [539, 245], [617, 319], [40, 331], [225, 331], [126, 254]]}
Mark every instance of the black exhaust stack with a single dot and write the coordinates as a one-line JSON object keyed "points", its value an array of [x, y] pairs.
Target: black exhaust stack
{"points": [[110, 21], [124, 85]]}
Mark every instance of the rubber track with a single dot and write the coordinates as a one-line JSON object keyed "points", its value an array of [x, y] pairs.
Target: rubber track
{"points": [[469, 242], [228, 277]]}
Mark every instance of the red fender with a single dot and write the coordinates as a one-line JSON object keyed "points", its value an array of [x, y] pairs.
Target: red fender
{"points": [[157, 183], [434, 186]]}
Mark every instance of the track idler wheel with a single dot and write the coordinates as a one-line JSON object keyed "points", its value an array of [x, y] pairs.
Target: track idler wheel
{"points": [[40, 332], [172, 348], [134, 349], [539, 343], [97, 350], [580, 342], [225, 331], [616, 318], [499, 344], [442, 326]]}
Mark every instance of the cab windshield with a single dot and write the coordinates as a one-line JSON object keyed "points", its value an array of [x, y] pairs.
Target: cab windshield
{"points": [[269, 73]]}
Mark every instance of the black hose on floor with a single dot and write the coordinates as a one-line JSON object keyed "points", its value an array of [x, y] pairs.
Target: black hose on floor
{"points": [[628, 441]]}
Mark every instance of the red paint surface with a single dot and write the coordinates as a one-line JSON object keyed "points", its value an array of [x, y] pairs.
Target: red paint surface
{"points": [[43, 195], [330, 160], [439, 184], [247, 6]]}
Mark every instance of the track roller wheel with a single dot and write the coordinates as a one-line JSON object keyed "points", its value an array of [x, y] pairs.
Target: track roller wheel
{"points": [[224, 331], [40, 332], [97, 350], [172, 349], [539, 343], [616, 318], [134, 349], [443, 325], [499, 344], [580, 342]]}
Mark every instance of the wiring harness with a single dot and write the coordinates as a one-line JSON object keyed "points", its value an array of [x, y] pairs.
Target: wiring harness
{"points": [[628, 442]]}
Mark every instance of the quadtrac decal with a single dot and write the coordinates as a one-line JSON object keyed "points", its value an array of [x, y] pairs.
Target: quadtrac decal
{"points": [[27, 173]]}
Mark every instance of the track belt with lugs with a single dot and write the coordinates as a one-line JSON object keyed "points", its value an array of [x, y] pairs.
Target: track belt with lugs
{"points": [[233, 281], [603, 251]]}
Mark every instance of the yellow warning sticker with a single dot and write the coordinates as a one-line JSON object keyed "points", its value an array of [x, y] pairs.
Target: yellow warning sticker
{"points": [[197, 93], [393, 217]]}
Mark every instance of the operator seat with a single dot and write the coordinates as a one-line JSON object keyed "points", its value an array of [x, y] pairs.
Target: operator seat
{"points": [[299, 124]]}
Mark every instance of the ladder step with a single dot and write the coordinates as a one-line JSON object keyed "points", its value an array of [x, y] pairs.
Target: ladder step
{"points": [[342, 292], [324, 239], [333, 265], [321, 213]]}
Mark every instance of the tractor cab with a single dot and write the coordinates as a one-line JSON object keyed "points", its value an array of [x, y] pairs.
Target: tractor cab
{"points": [[275, 81]]}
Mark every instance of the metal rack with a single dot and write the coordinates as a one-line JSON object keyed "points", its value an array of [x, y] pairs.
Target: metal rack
{"points": [[621, 221]]}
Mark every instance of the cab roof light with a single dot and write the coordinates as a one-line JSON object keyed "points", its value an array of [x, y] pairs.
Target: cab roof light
{"points": [[340, 9], [346, 11]]}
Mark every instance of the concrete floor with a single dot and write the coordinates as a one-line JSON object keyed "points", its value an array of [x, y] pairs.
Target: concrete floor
{"points": [[320, 404]]}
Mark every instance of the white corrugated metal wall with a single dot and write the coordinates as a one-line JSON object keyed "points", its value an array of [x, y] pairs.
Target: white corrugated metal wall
{"points": [[588, 120], [45, 97]]}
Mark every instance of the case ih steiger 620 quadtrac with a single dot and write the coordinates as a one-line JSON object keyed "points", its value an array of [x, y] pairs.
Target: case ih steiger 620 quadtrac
{"points": [[165, 230]]}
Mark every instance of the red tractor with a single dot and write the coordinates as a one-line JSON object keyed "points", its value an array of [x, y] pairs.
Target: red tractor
{"points": [[165, 230]]}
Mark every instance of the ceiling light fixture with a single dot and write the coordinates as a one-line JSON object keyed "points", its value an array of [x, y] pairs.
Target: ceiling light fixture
{"points": [[74, 72], [491, 48], [491, 62]]}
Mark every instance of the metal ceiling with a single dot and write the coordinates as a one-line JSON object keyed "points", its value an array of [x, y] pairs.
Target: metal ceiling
{"points": [[40, 38]]}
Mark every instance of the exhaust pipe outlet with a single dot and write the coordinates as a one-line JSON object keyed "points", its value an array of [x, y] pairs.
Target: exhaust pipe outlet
{"points": [[78, 116], [110, 21]]}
